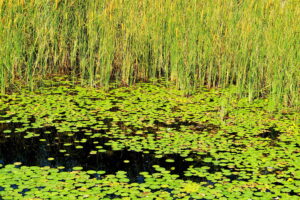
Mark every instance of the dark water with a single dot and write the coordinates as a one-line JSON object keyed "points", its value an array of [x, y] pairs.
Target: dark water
{"points": [[33, 152]]}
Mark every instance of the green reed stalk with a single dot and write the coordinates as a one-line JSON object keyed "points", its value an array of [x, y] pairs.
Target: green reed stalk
{"points": [[252, 44]]}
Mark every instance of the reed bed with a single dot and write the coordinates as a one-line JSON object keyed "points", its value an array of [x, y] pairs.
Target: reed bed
{"points": [[251, 44]]}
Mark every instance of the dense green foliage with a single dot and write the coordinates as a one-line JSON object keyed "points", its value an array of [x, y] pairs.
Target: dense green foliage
{"points": [[238, 151], [253, 44]]}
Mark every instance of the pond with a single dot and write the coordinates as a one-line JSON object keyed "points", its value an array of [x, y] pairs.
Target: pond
{"points": [[145, 142]]}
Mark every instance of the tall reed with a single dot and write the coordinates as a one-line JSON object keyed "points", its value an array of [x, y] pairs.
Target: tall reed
{"points": [[253, 44]]}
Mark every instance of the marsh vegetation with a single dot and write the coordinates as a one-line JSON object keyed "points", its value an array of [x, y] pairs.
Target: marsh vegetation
{"points": [[251, 44], [145, 142], [160, 99]]}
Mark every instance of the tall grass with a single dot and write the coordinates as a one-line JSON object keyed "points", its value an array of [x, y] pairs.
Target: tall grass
{"points": [[253, 44]]}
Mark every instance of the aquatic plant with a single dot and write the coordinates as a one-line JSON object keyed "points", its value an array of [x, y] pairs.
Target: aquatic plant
{"points": [[163, 145], [216, 43]]}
